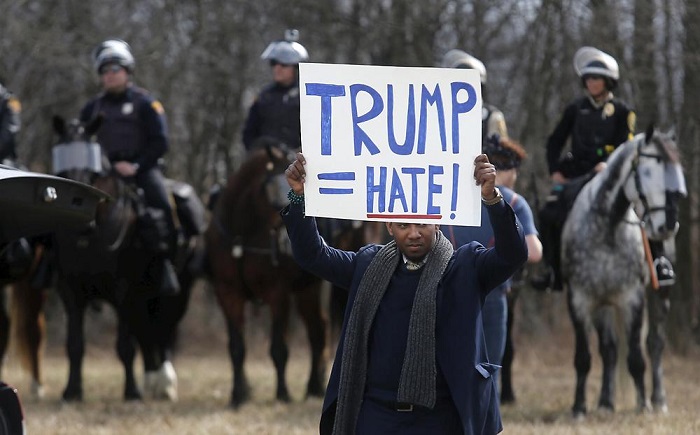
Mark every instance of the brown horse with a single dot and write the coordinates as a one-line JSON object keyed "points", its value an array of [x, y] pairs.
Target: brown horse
{"points": [[249, 260], [26, 314]]}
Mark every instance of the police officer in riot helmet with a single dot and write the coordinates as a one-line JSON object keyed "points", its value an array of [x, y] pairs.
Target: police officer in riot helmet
{"points": [[134, 136], [493, 121], [10, 109], [596, 124], [275, 112]]}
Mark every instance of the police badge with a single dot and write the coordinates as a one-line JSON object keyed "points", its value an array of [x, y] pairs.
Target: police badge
{"points": [[127, 108], [608, 110]]}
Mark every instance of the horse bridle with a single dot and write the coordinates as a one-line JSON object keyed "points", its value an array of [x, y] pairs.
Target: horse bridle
{"points": [[638, 182]]}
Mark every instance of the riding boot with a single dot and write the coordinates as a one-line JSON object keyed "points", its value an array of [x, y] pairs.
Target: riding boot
{"points": [[664, 268], [550, 277], [169, 284]]}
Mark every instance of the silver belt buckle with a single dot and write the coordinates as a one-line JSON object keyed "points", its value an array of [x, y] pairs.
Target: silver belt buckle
{"points": [[404, 407]]}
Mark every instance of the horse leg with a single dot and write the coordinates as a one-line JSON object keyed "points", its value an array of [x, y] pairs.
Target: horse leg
{"points": [[659, 305], [28, 315], [309, 308], [75, 348], [4, 328], [635, 358], [607, 347], [279, 351], [233, 306], [582, 361], [126, 350], [507, 394]]}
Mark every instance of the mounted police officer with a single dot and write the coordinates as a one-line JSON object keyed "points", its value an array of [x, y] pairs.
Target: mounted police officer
{"points": [[596, 124], [134, 136], [10, 109], [275, 112], [493, 121]]}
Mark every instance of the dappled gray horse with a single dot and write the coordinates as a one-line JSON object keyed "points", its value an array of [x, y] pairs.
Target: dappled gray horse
{"points": [[603, 261]]}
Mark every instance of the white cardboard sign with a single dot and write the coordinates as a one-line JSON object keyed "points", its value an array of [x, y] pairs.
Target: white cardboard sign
{"points": [[391, 143]]}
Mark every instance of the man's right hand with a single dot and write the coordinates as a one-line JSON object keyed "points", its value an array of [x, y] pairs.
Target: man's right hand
{"points": [[296, 174], [558, 178]]}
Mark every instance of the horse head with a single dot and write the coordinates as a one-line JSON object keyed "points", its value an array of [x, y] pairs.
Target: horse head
{"points": [[656, 183], [76, 155]]}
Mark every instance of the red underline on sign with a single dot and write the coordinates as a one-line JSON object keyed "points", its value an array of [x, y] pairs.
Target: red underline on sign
{"points": [[403, 216]]}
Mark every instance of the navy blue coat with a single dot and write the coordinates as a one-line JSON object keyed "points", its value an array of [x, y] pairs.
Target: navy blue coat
{"points": [[460, 348]]}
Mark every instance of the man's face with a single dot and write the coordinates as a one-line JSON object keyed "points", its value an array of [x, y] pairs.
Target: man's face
{"points": [[414, 240], [283, 74], [114, 78]]}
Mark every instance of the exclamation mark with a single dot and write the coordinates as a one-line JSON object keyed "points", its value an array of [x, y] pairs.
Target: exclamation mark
{"points": [[455, 180]]}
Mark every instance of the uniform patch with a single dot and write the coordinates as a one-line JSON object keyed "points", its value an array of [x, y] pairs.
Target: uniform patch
{"points": [[127, 108], [632, 123], [14, 105], [157, 107]]}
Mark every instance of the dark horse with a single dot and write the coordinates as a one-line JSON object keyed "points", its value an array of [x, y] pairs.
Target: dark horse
{"points": [[111, 261], [25, 317], [250, 260], [604, 267]]}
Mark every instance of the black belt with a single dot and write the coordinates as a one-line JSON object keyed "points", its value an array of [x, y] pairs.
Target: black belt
{"points": [[396, 406]]}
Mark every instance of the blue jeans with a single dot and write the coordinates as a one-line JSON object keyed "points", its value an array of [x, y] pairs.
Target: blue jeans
{"points": [[495, 316]]}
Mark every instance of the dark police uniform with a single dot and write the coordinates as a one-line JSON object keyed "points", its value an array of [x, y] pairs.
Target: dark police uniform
{"points": [[134, 129], [275, 114], [595, 130], [10, 109]]}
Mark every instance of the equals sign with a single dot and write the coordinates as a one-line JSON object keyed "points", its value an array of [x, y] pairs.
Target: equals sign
{"points": [[336, 176]]}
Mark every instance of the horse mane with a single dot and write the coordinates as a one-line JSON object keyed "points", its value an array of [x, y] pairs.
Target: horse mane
{"points": [[245, 192]]}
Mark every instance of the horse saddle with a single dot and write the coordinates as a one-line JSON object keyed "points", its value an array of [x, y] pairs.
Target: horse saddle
{"points": [[189, 209]]}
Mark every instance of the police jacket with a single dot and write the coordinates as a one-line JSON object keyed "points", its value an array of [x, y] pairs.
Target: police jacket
{"points": [[595, 130], [133, 128], [9, 124], [274, 114]]}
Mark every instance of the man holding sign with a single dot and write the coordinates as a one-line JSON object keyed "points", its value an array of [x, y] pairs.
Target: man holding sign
{"points": [[412, 357]]}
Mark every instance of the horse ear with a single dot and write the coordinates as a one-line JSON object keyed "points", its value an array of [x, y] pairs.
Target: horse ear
{"points": [[59, 126], [649, 132]]}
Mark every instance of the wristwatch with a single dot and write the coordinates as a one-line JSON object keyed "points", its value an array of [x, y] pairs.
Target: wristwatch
{"points": [[495, 200]]}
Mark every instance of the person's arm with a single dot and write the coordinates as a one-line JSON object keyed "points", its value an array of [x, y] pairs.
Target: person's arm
{"points": [[155, 125], [308, 247], [509, 253], [251, 130], [557, 140], [9, 126]]}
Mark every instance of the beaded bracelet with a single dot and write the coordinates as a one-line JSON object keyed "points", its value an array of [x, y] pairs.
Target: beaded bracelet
{"points": [[294, 198]]}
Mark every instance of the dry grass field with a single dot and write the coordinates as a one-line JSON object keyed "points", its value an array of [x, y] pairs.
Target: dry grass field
{"points": [[544, 380]]}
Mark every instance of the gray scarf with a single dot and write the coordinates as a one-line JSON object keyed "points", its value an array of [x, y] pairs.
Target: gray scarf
{"points": [[418, 373]]}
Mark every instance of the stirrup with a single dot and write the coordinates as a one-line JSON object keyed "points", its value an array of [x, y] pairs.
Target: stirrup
{"points": [[664, 271]]}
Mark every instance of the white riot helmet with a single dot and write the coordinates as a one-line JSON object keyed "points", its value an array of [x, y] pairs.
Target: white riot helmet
{"points": [[591, 61], [460, 59], [113, 51], [287, 51]]}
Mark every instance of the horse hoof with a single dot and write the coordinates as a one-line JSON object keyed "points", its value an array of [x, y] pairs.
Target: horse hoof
{"points": [[283, 396], [239, 396], [661, 408], [315, 390], [37, 390], [72, 396], [132, 395]]}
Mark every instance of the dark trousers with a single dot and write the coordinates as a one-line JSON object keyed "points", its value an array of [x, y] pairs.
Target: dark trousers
{"points": [[155, 194]]}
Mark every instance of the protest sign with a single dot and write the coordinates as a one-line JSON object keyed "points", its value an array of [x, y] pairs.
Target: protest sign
{"points": [[391, 143]]}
